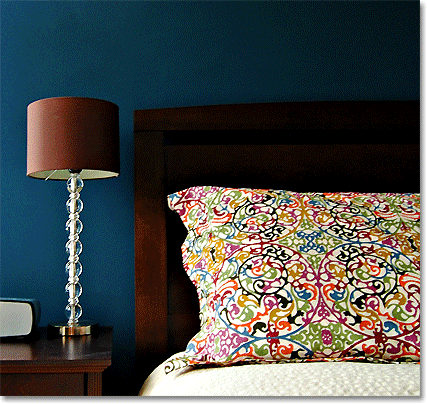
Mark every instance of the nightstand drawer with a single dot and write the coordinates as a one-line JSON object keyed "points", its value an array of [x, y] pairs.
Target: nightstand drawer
{"points": [[63, 366], [43, 384]]}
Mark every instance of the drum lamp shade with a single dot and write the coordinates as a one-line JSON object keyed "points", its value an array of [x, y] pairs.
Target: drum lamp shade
{"points": [[72, 133]]}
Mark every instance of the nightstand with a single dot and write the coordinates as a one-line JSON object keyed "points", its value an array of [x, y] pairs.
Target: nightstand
{"points": [[61, 366]]}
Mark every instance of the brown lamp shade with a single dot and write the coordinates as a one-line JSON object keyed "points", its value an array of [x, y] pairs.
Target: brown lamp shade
{"points": [[72, 133]]}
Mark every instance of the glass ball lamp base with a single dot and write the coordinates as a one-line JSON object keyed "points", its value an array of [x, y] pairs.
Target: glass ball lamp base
{"points": [[65, 329]]}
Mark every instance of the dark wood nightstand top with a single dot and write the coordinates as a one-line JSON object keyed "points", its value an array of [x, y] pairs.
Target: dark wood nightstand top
{"points": [[42, 354]]}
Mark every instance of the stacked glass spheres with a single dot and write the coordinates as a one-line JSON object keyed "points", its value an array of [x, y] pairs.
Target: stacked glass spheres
{"points": [[74, 226]]}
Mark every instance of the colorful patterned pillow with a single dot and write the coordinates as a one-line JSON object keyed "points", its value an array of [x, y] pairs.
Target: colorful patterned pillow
{"points": [[287, 276]]}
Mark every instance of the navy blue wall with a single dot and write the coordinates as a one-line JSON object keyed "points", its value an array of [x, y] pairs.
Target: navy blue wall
{"points": [[165, 54]]}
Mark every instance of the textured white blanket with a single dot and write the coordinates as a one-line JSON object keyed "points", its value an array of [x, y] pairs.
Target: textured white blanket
{"points": [[290, 379]]}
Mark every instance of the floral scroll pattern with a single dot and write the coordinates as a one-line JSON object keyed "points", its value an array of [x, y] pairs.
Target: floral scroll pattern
{"points": [[287, 276]]}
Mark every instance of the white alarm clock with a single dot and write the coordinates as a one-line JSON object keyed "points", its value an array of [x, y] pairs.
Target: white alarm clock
{"points": [[18, 317]]}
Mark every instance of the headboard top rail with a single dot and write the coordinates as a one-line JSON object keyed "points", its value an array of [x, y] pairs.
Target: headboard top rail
{"points": [[385, 115]]}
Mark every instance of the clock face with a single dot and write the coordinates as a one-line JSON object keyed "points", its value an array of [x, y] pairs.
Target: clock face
{"points": [[16, 318]]}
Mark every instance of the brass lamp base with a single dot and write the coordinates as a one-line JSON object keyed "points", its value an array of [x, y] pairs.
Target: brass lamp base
{"points": [[67, 330]]}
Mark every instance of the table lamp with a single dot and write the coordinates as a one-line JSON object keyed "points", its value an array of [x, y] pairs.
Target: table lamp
{"points": [[73, 139]]}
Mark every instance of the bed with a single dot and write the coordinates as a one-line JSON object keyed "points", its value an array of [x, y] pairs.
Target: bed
{"points": [[274, 260]]}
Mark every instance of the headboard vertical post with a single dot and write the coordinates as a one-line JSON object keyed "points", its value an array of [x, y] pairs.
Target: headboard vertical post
{"points": [[150, 249]]}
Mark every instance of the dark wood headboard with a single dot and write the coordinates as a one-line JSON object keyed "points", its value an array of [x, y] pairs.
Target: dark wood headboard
{"points": [[374, 147]]}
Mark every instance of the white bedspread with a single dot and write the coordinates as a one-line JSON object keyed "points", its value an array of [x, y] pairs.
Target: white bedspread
{"points": [[289, 379]]}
